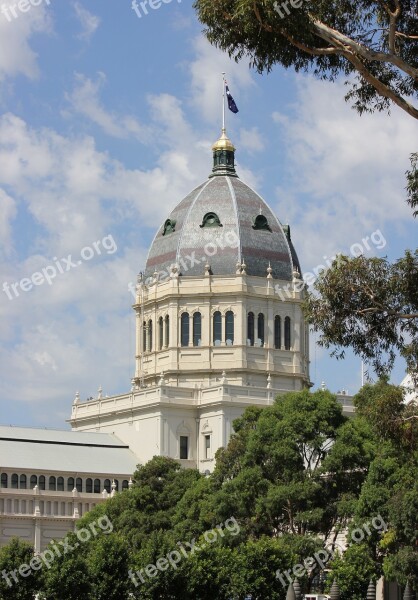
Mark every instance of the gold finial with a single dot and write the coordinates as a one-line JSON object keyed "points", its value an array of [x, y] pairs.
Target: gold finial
{"points": [[224, 143]]}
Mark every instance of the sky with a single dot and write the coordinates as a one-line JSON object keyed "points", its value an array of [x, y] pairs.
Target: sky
{"points": [[107, 119]]}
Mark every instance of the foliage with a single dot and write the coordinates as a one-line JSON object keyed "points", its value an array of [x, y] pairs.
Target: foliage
{"points": [[373, 40], [353, 572], [412, 183], [12, 556], [371, 306]]}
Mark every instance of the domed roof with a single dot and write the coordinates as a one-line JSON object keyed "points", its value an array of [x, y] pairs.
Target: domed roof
{"points": [[223, 222]]}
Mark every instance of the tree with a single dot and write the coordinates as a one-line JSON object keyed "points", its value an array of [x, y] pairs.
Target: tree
{"points": [[371, 306], [13, 557], [376, 40]]}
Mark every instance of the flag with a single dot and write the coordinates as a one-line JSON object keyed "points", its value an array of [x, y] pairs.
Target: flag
{"points": [[231, 102]]}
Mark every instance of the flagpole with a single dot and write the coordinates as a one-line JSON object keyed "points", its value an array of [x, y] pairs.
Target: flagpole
{"points": [[223, 101]]}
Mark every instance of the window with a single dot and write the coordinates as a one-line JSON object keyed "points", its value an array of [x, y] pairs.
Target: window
{"points": [[144, 337], [89, 486], [217, 327], [42, 482], [60, 484], [211, 219], [160, 333], [287, 336], [15, 481], [107, 486], [169, 226], [167, 331], [70, 484], [197, 329], [4, 480], [125, 484], [260, 328], [207, 446], [261, 223], [277, 332], [33, 481], [79, 484], [117, 484], [97, 489], [150, 335], [185, 326], [229, 327], [52, 484], [250, 328], [184, 447], [23, 482]]}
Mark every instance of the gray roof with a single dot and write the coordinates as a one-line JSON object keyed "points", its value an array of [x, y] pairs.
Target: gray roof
{"points": [[27, 449], [236, 205]]}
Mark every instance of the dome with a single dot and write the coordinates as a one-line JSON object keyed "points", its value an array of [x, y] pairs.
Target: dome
{"points": [[223, 223]]}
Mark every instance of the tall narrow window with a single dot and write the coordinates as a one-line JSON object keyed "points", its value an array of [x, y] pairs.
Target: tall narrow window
{"points": [[197, 329], [250, 328], [277, 332], [52, 484], [89, 486], [185, 329], [167, 331], [207, 446], [97, 486], [217, 328], [23, 482], [60, 484], [287, 335], [116, 484], [125, 484], [144, 337], [33, 481], [260, 329], [15, 481], [70, 484], [229, 327], [160, 333], [184, 447], [42, 482], [107, 486], [150, 335], [4, 480], [79, 484]]}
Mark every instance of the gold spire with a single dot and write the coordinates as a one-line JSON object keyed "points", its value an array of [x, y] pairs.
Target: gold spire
{"points": [[224, 143]]}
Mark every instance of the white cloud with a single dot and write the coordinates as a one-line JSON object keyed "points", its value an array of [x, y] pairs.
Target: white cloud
{"points": [[88, 21], [8, 211], [346, 172], [85, 100], [16, 55], [250, 140]]}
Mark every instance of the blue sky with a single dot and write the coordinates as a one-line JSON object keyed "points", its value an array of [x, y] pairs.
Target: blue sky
{"points": [[106, 122]]}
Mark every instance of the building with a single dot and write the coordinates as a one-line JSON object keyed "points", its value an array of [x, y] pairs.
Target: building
{"points": [[219, 327]]}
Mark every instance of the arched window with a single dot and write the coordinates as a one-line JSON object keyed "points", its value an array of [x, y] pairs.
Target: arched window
{"points": [[160, 333], [41, 482], [260, 222], [185, 326], [211, 220], [167, 331], [144, 337], [217, 327], [23, 482], [79, 484], [260, 329], [52, 484], [250, 328], [4, 480], [97, 489], [125, 484], [33, 481], [107, 486], [277, 332], [229, 327], [60, 484], [197, 329], [70, 484], [287, 336], [169, 226], [89, 486], [150, 335], [15, 481]]}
